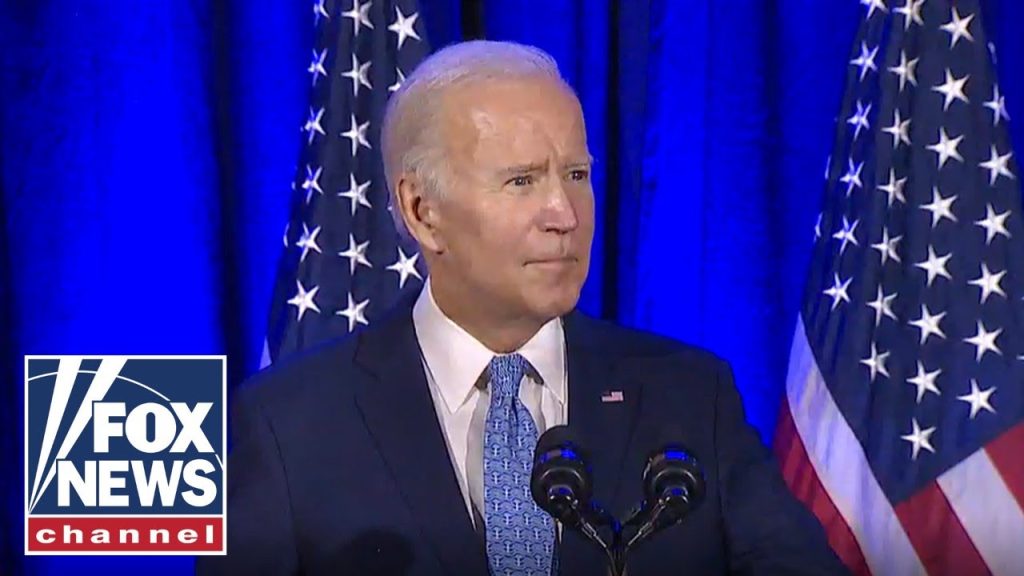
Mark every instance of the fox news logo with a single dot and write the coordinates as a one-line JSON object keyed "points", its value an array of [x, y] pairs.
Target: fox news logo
{"points": [[125, 454]]}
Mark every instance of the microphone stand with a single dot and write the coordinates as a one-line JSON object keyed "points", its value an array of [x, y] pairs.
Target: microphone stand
{"points": [[615, 553], [647, 521]]}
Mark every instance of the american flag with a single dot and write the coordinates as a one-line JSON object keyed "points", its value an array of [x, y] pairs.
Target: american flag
{"points": [[343, 261], [903, 426]]}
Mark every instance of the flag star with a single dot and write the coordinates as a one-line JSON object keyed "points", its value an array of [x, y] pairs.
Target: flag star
{"points": [[360, 16], [313, 126], [900, 130], [935, 266], [887, 247], [304, 300], [946, 147], [997, 166], [355, 313], [316, 66], [925, 381], [952, 89], [873, 5], [994, 224], [308, 241], [838, 291], [405, 267], [320, 10], [356, 254], [356, 193], [876, 363], [860, 119], [359, 74], [911, 11], [404, 27], [882, 306], [817, 227], [894, 188], [906, 70], [984, 341], [847, 234], [357, 134], [287, 225], [989, 283], [919, 439], [997, 105], [978, 399], [940, 207], [866, 60], [929, 324], [312, 182], [400, 79], [957, 27], [852, 176]]}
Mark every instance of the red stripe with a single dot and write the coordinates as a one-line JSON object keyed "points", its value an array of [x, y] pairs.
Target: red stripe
{"points": [[1007, 454], [803, 481], [936, 533]]}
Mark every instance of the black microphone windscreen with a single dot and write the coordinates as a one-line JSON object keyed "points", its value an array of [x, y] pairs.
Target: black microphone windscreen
{"points": [[555, 437]]}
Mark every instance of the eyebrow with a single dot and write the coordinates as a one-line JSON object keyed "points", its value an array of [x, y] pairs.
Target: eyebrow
{"points": [[588, 161], [523, 168], [541, 166]]}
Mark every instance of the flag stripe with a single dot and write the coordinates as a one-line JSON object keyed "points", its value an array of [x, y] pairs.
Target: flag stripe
{"points": [[941, 542], [909, 359], [994, 530], [1008, 457], [805, 484], [838, 459]]}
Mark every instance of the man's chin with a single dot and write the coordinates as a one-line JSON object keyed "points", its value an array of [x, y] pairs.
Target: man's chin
{"points": [[555, 305]]}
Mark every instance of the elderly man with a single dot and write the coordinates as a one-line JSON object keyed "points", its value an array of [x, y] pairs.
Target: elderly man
{"points": [[383, 453]]}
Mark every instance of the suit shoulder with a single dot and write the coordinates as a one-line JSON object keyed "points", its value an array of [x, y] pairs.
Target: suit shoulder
{"points": [[306, 373], [644, 344]]}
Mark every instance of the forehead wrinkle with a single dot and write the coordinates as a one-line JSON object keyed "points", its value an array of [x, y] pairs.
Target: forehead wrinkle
{"points": [[476, 120]]}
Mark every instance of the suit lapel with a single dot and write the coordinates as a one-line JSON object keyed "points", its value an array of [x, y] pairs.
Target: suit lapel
{"points": [[399, 412], [603, 425]]}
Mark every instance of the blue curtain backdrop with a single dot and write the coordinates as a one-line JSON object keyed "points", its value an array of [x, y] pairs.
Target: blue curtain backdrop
{"points": [[147, 150]]}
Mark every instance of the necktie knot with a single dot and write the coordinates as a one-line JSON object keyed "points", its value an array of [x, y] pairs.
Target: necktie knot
{"points": [[506, 372]]}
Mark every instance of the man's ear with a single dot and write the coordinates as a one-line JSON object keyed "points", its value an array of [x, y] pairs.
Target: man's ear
{"points": [[420, 212]]}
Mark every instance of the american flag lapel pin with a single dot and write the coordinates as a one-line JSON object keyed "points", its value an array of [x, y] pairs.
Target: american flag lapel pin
{"points": [[610, 396]]}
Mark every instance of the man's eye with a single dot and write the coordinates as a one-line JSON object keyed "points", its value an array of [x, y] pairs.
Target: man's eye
{"points": [[579, 175], [525, 180]]}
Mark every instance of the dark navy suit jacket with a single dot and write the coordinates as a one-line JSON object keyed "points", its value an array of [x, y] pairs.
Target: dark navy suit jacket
{"points": [[339, 464]]}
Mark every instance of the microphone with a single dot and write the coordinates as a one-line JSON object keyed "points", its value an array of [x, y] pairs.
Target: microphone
{"points": [[673, 485], [561, 485], [560, 482]]}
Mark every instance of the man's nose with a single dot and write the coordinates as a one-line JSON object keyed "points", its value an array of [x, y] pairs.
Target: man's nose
{"points": [[560, 214]]}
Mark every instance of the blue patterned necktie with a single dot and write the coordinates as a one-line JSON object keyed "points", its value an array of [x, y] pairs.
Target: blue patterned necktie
{"points": [[520, 536]]}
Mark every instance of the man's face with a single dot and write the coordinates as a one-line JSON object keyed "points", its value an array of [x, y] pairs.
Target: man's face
{"points": [[517, 218]]}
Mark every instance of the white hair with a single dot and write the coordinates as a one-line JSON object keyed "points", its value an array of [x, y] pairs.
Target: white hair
{"points": [[412, 132]]}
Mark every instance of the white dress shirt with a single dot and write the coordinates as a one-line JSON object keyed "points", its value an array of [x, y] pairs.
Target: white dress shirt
{"points": [[455, 364]]}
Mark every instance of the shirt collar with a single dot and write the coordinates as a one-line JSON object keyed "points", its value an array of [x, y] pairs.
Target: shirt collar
{"points": [[456, 359]]}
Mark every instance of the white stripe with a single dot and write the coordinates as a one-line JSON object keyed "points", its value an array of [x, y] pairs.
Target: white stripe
{"points": [[108, 371], [265, 357], [842, 467], [67, 371], [988, 512]]}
